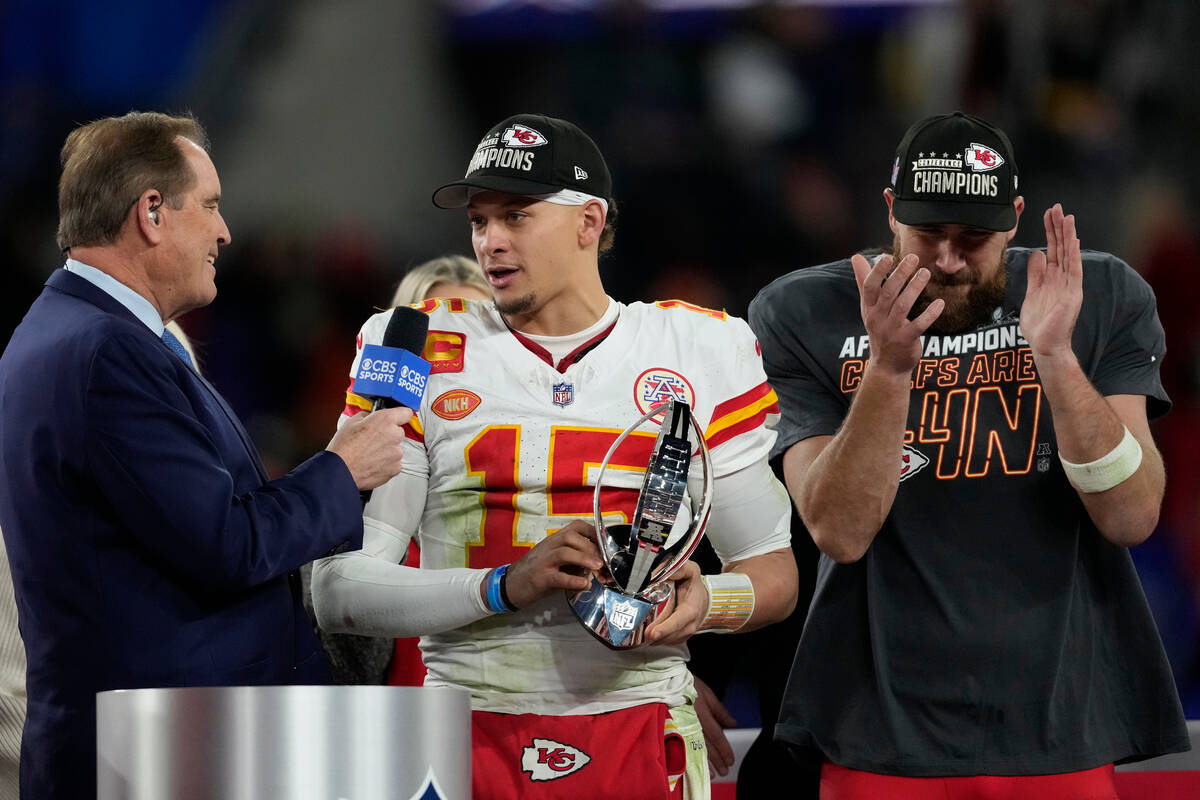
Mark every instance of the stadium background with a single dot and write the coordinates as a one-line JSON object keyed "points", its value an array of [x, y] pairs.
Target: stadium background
{"points": [[745, 139]]}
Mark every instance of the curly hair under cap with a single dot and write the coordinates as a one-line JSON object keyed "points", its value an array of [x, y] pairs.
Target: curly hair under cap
{"points": [[609, 233]]}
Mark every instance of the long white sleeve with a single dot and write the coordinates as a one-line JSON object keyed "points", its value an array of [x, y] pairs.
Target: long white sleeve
{"points": [[751, 514], [369, 592], [355, 593]]}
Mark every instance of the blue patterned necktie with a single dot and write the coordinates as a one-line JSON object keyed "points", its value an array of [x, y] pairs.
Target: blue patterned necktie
{"points": [[173, 342]]}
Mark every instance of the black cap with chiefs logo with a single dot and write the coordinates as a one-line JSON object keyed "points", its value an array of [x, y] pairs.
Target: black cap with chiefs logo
{"points": [[955, 169], [531, 154]]}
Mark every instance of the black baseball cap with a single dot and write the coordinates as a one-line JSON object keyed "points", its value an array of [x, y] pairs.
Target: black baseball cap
{"points": [[531, 154], [955, 169]]}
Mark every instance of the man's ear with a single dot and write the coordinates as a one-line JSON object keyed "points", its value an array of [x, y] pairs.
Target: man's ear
{"points": [[148, 215], [1019, 206], [888, 197], [591, 223]]}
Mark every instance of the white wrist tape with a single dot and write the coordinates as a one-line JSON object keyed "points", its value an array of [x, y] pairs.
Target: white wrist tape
{"points": [[730, 602], [1109, 469]]}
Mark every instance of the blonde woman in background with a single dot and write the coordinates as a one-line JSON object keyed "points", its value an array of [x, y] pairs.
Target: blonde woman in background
{"points": [[372, 660], [447, 276]]}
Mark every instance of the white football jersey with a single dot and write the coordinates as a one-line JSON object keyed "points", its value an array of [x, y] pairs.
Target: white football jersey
{"points": [[511, 447]]}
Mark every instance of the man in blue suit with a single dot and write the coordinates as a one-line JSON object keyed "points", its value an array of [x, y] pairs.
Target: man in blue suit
{"points": [[148, 547]]}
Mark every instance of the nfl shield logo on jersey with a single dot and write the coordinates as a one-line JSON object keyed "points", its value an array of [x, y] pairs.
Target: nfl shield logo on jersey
{"points": [[564, 394]]}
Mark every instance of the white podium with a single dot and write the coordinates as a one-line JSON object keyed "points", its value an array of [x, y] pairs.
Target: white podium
{"points": [[284, 743]]}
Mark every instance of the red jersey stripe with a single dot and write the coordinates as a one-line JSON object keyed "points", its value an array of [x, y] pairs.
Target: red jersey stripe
{"points": [[743, 413]]}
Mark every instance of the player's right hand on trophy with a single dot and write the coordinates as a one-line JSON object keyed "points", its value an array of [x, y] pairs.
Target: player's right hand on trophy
{"points": [[563, 560], [886, 296]]}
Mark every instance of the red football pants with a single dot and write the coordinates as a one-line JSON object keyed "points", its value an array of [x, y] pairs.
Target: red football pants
{"points": [[622, 754], [840, 783]]}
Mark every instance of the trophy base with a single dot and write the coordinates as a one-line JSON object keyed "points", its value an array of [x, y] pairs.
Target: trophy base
{"points": [[617, 619]]}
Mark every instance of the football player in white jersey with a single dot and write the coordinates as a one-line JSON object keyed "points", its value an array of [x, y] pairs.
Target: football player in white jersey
{"points": [[525, 397]]}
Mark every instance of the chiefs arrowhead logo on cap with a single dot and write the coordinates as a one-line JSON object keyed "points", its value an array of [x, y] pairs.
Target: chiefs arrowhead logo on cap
{"points": [[982, 158], [522, 136], [548, 760]]}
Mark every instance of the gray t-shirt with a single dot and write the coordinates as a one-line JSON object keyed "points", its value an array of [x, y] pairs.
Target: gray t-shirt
{"points": [[990, 628]]}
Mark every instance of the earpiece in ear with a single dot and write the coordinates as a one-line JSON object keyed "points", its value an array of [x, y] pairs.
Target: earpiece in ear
{"points": [[152, 214]]}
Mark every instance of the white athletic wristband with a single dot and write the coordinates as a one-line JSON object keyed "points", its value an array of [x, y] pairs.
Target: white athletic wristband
{"points": [[1108, 470], [730, 602]]}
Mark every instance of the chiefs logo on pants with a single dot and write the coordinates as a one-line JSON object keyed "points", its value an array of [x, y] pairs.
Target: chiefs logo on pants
{"points": [[534, 757]]}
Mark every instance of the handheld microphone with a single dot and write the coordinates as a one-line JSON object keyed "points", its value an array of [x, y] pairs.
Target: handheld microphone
{"points": [[391, 374]]}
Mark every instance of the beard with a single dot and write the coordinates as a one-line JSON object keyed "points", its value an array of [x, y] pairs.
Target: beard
{"points": [[517, 305], [958, 315]]}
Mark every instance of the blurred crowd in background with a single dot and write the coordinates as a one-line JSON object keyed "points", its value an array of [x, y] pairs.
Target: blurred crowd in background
{"points": [[746, 140]]}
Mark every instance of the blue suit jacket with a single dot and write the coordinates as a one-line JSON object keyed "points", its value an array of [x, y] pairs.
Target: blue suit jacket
{"points": [[147, 546]]}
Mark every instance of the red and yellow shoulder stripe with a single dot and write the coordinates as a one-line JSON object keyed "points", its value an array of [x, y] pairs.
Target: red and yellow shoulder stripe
{"points": [[743, 413], [356, 403]]}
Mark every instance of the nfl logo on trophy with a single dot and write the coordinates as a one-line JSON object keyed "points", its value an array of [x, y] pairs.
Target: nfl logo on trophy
{"points": [[623, 616]]}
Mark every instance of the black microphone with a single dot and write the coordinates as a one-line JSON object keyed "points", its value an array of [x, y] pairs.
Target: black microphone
{"points": [[393, 374], [406, 331]]}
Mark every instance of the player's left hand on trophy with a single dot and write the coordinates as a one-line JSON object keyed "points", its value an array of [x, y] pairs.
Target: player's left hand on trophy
{"points": [[685, 610], [1054, 294], [565, 560]]}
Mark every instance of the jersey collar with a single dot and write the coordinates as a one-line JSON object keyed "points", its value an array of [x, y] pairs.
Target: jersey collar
{"points": [[570, 358]]}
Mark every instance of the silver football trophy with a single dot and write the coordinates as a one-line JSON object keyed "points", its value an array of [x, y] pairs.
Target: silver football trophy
{"points": [[669, 520]]}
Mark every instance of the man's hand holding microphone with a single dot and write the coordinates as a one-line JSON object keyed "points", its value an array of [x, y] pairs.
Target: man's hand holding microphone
{"points": [[394, 378]]}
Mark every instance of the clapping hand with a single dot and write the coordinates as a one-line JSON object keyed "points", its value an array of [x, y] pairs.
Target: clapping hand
{"points": [[1055, 291]]}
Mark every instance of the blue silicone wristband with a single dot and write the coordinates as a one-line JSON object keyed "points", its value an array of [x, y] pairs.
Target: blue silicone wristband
{"points": [[495, 600]]}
